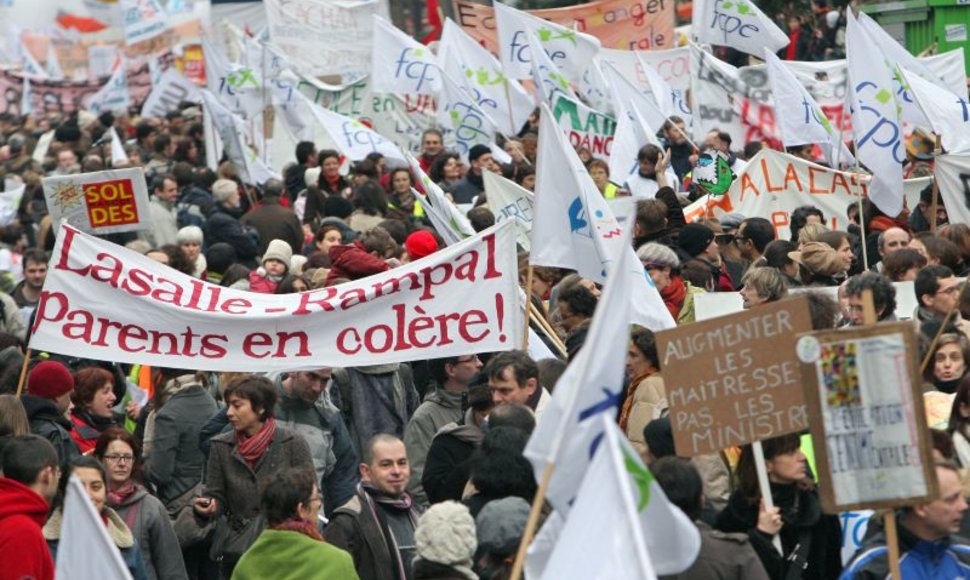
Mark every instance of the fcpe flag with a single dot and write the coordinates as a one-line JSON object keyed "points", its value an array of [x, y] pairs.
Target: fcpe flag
{"points": [[510, 201], [800, 119], [622, 515], [85, 549], [573, 227], [114, 94], [875, 123], [400, 64], [549, 80], [231, 129], [450, 223], [948, 114], [468, 123], [353, 138], [738, 24], [571, 51]]}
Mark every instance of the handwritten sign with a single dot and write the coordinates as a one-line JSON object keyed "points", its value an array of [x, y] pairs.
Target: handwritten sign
{"points": [[862, 391], [735, 379], [103, 202]]}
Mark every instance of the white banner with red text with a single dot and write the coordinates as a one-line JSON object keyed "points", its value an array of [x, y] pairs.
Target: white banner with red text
{"points": [[105, 302]]}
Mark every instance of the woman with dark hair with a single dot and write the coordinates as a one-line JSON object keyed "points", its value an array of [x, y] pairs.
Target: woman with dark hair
{"points": [[93, 400], [959, 426], [949, 362], [942, 251], [331, 182], [498, 468], [810, 540], [186, 150], [239, 462], [903, 265], [370, 207], [292, 285], [446, 171], [646, 398], [401, 202], [291, 546], [959, 234], [145, 515], [95, 482]]}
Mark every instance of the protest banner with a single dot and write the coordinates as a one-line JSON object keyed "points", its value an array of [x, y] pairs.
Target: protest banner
{"points": [[142, 20], [863, 393], [345, 49], [104, 202], [65, 96], [751, 387], [619, 24], [773, 184], [173, 89], [583, 126], [672, 64], [105, 302]]}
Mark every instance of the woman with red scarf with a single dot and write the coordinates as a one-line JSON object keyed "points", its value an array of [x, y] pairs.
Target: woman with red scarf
{"points": [[291, 547], [663, 266], [331, 182], [143, 513], [239, 463]]}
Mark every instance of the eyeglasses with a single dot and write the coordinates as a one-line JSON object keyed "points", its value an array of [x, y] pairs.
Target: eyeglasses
{"points": [[119, 458]]}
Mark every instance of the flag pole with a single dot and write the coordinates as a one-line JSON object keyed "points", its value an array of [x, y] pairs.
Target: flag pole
{"points": [[23, 373], [759, 461], [528, 309], [934, 203], [548, 330], [533, 521]]}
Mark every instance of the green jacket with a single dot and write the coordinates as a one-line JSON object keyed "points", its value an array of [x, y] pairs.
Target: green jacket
{"points": [[283, 555]]}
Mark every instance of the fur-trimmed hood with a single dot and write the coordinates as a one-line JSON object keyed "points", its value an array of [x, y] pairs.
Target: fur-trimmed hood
{"points": [[117, 529]]}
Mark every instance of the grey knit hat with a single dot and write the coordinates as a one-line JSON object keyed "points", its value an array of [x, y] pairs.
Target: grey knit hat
{"points": [[501, 524], [278, 250], [189, 234], [446, 535]]}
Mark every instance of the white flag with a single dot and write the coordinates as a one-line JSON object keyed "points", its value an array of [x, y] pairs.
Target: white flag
{"points": [[738, 24], [118, 154], [446, 218], [400, 64], [237, 86], [26, 98], [462, 57], [10, 203], [232, 130], [800, 119], [85, 549], [571, 51], [510, 201], [31, 66], [172, 89], [663, 95], [53, 65], [875, 124], [549, 80], [948, 114], [114, 94], [622, 515], [142, 20], [594, 89], [637, 121], [354, 139], [573, 227], [950, 171], [468, 124]]}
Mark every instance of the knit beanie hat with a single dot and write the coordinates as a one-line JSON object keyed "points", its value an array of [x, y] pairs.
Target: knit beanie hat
{"points": [[50, 380], [278, 250], [189, 234], [694, 239], [223, 189], [477, 151], [819, 258], [501, 524], [220, 256], [420, 244], [445, 535]]}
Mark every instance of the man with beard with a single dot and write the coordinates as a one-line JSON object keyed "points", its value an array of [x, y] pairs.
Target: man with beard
{"points": [[652, 173], [680, 150]]}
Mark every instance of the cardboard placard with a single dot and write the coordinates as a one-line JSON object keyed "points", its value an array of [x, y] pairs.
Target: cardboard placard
{"points": [[862, 390], [735, 379], [103, 202]]}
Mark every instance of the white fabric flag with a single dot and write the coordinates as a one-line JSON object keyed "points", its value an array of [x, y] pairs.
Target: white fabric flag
{"points": [[951, 172], [948, 114], [663, 95], [172, 89], [800, 119], [114, 94], [53, 64], [26, 98], [594, 89], [571, 51], [446, 217], [462, 57], [573, 227], [738, 24], [630, 134], [510, 201], [400, 64], [875, 124], [85, 549], [232, 130], [142, 20], [10, 203], [118, 154], [467, 123], [353, 138], [622, 514], [31, 66], [237, 86], [548, 79]]}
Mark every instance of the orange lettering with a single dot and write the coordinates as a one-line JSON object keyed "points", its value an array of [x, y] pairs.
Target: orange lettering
{"points": [[811, 180], [765, 172], [792, 175]]}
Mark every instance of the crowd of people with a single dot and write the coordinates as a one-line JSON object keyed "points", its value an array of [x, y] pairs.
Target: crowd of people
{"points": [[411, 471]]}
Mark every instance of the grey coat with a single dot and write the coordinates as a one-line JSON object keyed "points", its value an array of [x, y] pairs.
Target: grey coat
{"points": [[237, 487], [176, 463], [149, 523]]}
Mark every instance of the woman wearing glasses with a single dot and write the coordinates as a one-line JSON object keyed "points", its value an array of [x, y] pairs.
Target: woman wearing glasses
{"points": [[144, 514]]}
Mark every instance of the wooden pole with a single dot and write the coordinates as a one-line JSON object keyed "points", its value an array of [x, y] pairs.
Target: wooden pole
{"points": [[862, 235], [528, 309], [765, 486], [936, 189], [532, 522], [549, 331], [23, 373]]}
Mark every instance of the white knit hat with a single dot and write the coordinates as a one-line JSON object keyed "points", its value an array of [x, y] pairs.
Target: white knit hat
{"points": [[446, 535], [278, 250], [189, 234]]}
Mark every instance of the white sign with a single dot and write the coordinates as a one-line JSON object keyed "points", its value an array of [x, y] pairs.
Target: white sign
{"points": [[105, 302], [104, 202], [172, 89], [955, 32], [142, 20]]}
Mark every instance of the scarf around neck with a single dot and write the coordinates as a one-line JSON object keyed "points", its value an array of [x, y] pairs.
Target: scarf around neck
{"points": [[373, 496], [253, 447], [305, 527], [673, 295], [119, 495]]}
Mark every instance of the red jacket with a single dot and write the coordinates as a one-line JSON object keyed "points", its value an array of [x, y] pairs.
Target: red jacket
{"points": [[23, 550], [352, 261], [86, 436], [261, 283]]}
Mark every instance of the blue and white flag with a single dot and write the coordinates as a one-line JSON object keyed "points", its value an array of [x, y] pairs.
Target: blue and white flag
{"points": [[114, 94], [568, 49], [738, 24], [948, 114], [354, 139], [465, 121], [400, 64], [548, 79]]}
